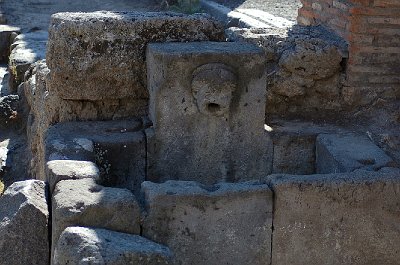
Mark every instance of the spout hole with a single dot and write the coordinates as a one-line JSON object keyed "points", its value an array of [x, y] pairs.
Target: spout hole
{"points": [[213, 107]]}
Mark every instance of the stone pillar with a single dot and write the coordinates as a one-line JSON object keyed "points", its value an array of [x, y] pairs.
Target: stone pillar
{"points": [[207, 104], [371, 29]]}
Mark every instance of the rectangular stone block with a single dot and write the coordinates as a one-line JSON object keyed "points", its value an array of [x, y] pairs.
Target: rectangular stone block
{"points": [[223, 224], [80, 245], [26, 49], [347, 152], [57, 170], [349, 218], [24, 224], [84, 203], [101, 55], [207, 105], [5, 40]]}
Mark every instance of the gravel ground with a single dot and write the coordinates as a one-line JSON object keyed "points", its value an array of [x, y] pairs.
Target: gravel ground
{"points": [[28, 14], [281, 8]]}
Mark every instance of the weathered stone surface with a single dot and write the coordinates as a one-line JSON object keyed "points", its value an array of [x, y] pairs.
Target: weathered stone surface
{"points": [[202, 96], [101, 55], [58, 170], [5, 40], [81, 245], [294, 153], [348, 152], [117, 147], [224, 224], [46, 109], [349, 218], [25, 50], [8, 109], [84, 203], [304, 70], [24, 224], [314, 58]]}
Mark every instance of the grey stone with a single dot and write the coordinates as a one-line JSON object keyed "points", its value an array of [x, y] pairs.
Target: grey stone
{"points": [[224, 224], [348, 218], [3, 158], [294, 152], [24, 224], [3, 19], [5, 40], [336, 153], [81, 245], [26, 49], [47, 109], [117, 147], [101, 55], [202, 96], [312, 58], [58, 170], [8, 109], [84, 203]]}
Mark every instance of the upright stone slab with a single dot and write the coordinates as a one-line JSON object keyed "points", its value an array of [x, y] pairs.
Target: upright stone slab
{"points": [[101, 55], [207, 104], [348, 218], [223, 224], [82, 245], [24, 224]]}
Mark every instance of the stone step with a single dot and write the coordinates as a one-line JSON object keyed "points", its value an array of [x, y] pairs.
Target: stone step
{"points": [[81, 245], [82, 202], [339, 153]]}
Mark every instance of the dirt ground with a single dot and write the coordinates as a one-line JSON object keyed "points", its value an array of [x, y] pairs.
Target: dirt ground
{"points": [[30, 15]]}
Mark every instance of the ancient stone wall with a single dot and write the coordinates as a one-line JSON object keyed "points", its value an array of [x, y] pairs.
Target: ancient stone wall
{"points": [[305, 71], [98, 74], [371, 29]]}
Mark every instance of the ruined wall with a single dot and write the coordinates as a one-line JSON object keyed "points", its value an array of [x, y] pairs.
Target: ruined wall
{"points": [[98, 74], [372, 30], [305, 71]]}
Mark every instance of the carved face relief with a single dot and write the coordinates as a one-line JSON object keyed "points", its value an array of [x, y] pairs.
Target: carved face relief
{"points": [[212, 87]]}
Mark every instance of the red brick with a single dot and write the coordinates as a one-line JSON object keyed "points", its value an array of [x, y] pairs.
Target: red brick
{"points": [[376, 11], [384, 20], [387, 3]]}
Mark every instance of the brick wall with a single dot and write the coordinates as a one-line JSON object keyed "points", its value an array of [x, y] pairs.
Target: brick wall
{"points": [[372, 30]]}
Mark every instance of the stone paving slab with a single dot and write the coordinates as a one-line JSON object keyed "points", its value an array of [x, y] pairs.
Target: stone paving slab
{"points": [[337, 153]]}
